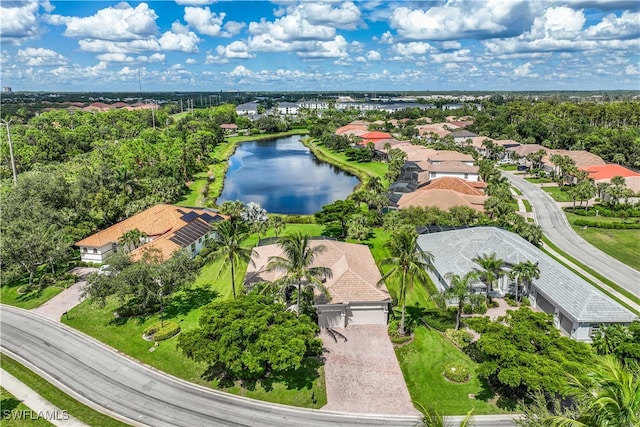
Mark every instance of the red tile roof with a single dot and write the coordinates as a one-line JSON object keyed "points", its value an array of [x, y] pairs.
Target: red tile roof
{"points": [[458, 185], [608, 171]]}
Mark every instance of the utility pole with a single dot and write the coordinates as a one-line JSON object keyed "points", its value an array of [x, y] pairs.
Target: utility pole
{"points": [[13, 161]]}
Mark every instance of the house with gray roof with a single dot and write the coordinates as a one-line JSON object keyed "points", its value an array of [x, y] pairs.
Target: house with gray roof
{"points": [[578, 308]]}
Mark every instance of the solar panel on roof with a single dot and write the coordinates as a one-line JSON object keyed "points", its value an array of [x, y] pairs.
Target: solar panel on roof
{"points": [[190, 233], [188, 217]]}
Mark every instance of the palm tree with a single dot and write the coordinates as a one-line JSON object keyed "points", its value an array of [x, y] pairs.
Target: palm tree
{"points": [[492, 268], [460, 288], [132, 239], [228, 246], [608, 337], [609, 397], [523, 273], [409, 263], [277, 223], [297, 264], [374, 184]]}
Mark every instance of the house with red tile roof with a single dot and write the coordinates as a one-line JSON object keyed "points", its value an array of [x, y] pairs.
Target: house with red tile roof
{"points": [[456, 184], [374, 137], [604, 173], [354, 298], [167, 228]]}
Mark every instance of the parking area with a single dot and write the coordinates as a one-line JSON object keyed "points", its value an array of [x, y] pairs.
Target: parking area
{"points": [[362, 372]]}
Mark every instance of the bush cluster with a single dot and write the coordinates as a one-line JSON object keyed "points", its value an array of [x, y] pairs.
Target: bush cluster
{"points": [[457, 372], [440, 320], [460, 338], [607, 225], [606, 211], [159, 333]]}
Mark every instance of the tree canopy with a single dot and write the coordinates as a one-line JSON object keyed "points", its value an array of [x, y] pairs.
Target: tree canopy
{"points": [[249, 338]]}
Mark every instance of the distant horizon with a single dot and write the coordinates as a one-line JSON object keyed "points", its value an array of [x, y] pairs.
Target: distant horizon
{"points": [[332, 46]]}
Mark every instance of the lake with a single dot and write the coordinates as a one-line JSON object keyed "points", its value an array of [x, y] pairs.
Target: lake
{"points": [[284, 177]]}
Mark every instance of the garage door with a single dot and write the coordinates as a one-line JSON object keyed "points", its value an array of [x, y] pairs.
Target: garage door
{"points": [[367, 315], [331, 318], [545, 305]]}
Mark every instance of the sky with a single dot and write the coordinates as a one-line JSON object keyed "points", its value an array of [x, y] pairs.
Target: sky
{"points": [[371, 45]]}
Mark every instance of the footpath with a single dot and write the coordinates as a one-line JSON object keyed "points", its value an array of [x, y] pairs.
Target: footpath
{"points": [[38, 406]]}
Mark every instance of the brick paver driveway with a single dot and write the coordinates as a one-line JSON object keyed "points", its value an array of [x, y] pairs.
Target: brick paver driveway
{"points": [[67, 299], [363, 374]]}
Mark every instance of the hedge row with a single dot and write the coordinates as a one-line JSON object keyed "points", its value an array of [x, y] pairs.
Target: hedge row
{"points": [[608, 225], [159, 333]]}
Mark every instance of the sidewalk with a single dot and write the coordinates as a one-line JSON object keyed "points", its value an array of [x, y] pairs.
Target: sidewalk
{"points": [[39, 406]]}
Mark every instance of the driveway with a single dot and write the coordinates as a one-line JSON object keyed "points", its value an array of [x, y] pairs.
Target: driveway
{"points": [[67, 299], [556, 227], [362, 373]]}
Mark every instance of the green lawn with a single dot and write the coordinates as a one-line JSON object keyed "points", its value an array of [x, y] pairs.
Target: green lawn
{"points": [[11, 294], [557, 194], [539, 180], [517, 191], [623, 245], [422, 362], [527, 205], [194, 197], [54, 395], [17, 414]]}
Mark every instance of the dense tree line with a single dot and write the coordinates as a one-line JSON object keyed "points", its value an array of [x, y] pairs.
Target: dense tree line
{"points": [[610, 130]]}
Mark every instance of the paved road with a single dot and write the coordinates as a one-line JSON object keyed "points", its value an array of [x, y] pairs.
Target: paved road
{"points": [[556, 227], [98, 375]]}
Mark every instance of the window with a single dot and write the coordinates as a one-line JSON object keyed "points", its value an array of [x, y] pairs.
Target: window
{"points": [[95, 251], [200, 240], [466, 176], [595, 327], [85, 250], [193, 247]]}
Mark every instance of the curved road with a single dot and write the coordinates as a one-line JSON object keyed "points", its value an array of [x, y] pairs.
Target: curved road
{"points": [[556, 227], [99, 376]]}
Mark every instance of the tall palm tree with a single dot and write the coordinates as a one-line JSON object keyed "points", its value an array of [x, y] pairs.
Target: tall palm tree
{"points": [[460, 288], [374, 184], [277, 223], [492, 268], [297, 264], [609, 397], [523, 273], [409, 263], [228, 246]]}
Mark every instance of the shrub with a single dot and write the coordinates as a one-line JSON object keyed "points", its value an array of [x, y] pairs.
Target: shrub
{"points": [[440, 320], [493, 304], [460, 338], [510, 299], [467, 308], [478, 324], [457, 372], [580, 222], [525, 302], [159, 333]]}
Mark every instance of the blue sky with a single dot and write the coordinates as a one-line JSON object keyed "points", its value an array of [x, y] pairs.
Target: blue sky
{"points": [[374, 45]]}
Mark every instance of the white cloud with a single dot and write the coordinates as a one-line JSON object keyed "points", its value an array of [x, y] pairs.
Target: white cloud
{"points": [[191, 61], [19, 20], [345, 16], [119, 23], [135, 46], [631, 70], [456, 19], [373, 55], [179, 39], [241, 71], [235, 50], [613, 27], [40, 57], [205, 21], [524, 70], [457, 56], [558, 23], [123, 58], [451, 45], [325, 49], [412, 48]]}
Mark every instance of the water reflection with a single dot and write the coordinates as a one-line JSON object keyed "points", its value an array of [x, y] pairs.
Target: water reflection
{"points": [[284, 177]]}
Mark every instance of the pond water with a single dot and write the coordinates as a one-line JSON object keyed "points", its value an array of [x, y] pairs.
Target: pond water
{"points": [[284, 177]]}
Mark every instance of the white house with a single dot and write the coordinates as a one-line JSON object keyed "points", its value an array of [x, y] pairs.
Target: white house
{"points": [[166, 228], [287, 108], [353, 297], [247, 109], [577, 307]]}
